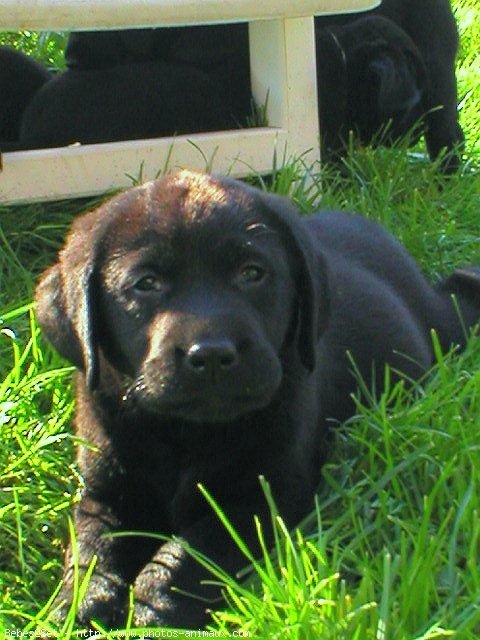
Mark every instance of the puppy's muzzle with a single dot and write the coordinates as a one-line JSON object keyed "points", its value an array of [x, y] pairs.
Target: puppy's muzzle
{"points": [[207, 369]]}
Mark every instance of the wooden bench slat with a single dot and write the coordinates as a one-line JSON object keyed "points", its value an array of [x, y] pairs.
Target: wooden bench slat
{"points": [[103, 14]]}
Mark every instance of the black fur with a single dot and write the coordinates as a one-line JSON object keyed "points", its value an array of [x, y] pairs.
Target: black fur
{"points": [[20, 78], [371, 81], [124, 102]]}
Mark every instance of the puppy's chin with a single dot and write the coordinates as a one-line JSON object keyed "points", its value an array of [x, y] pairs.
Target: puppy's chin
{"points": [[217, 413], [204, 409]]}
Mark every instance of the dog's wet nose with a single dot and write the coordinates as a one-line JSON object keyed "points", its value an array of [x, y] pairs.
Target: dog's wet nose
{"points": [[211, 356]]}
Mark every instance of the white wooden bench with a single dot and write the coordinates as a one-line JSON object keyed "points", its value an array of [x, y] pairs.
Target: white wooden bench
{"points": [[282, 53]]}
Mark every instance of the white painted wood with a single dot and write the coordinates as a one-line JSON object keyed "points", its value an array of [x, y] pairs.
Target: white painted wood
{"points": [[48, 174], [283, 71], [282, 65], [66, 15]]}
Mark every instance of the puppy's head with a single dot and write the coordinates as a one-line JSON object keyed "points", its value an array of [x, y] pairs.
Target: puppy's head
{"points": [[387, 79], [198, 291]]}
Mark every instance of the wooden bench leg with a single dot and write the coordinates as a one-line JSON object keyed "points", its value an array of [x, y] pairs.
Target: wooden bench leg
{"points": [[283, 66]]}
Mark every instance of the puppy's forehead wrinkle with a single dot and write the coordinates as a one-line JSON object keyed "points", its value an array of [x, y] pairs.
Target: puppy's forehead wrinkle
{"points": [[256, 229]]}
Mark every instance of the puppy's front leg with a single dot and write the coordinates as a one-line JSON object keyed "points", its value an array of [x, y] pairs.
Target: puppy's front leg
{"points": [[116, 562], [158, 587]]}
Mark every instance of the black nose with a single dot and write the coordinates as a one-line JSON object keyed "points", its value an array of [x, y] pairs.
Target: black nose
{"points": [[211, 357]]}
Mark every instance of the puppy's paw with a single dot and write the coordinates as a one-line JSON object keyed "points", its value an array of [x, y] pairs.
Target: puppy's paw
{"points": [[145, 615], [105, 601], [153, 607], [157, 604], [107, 611]]}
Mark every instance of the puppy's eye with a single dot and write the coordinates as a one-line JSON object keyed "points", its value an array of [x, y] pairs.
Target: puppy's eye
{"points": [[251, 274], [148, 283]]}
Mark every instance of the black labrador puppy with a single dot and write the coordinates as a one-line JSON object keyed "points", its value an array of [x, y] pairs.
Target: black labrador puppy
{"points": [[124, 102], [210, 325], [430, 24], [372, 81], [145, 83], [20, 78], [219, 51]]}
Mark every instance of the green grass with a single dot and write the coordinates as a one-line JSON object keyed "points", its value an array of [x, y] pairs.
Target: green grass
{"points": [[392, 550], [47, 46]]}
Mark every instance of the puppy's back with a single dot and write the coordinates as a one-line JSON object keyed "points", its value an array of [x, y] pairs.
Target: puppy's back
{"points": [[352, 239], [364, 249]]}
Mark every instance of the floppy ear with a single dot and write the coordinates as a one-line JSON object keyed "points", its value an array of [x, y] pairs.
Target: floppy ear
{"points": [[65, 306], [310, 273]]}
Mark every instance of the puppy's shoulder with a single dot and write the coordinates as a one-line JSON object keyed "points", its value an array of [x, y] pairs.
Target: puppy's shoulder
{"points": [[352, 243]]}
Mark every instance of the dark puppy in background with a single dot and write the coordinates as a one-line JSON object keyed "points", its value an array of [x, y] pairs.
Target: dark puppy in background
{"points": [[124, 85], [219, 51], [124, 102], [430, 24], [372, 81], [93, 50], [210, 325], [393, 65], [20, 78]]}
